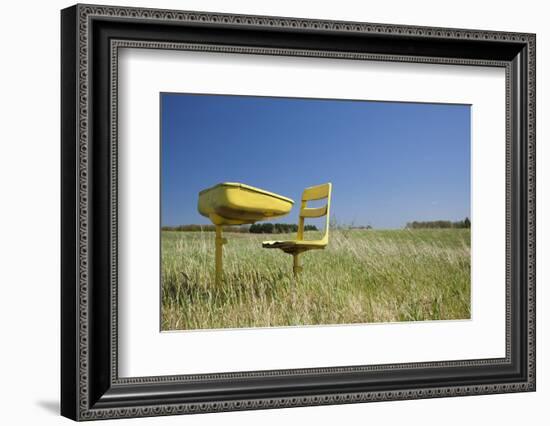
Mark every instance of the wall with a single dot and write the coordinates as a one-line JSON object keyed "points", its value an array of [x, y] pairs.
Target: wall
{"points": [[29, 225]]}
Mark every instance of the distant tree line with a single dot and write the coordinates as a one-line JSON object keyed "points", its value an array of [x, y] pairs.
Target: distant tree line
{"points": [[257, 228], [204, 228], [439, 224], [278, 228]]}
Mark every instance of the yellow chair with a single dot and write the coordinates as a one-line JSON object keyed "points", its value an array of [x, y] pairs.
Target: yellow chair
{"points": [[299, 245]]}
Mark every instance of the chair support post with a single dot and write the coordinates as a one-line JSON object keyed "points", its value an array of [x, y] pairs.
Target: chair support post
{"points": [[296, 268]]}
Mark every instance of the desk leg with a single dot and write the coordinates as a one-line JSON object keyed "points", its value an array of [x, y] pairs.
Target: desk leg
{"points": [[220, 241]]}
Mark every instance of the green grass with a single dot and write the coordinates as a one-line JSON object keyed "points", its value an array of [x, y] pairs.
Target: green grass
{"points": [[363, 276]]}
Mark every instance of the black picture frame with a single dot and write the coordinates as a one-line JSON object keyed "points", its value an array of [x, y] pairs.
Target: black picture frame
{"points": [[90, 386]]}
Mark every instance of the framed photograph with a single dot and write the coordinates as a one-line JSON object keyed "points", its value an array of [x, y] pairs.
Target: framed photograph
{"points": [[263, 212]]}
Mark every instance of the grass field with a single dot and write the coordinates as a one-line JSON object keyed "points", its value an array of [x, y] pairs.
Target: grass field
{"points": [[362, 276]]}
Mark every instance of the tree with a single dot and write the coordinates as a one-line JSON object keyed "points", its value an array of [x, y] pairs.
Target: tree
{"points": [[277, 228], [267, 228]]}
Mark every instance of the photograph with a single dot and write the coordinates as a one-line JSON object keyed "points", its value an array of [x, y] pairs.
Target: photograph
{"points": [[280, 211], [264, 209]]}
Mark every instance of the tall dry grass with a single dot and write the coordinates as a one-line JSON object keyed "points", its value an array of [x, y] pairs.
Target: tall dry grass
{"points": [[362, 276]]}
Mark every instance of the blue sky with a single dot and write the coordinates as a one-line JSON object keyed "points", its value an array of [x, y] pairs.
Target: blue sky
{"points": [[389, 162]]}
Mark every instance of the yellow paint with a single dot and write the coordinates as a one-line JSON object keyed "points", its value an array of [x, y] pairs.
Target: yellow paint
{"points": [[236, 204], [299, 245], [232, 203]]}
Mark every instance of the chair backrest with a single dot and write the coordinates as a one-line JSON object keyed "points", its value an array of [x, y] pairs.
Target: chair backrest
{"points": [[313, 193]]}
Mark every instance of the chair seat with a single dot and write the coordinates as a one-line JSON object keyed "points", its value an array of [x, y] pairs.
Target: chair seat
{"points": [[293, 246]]}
